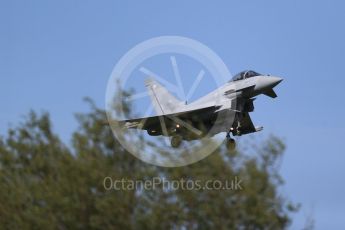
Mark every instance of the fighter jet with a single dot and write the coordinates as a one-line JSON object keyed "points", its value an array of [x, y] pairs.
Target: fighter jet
{"points": [[226, 109]]}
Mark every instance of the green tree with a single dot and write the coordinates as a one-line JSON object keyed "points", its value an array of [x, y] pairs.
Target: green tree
{"points": [[45, 184]]}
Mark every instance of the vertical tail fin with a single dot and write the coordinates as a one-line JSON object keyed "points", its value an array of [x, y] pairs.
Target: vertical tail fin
{"points": [[163, 101]]}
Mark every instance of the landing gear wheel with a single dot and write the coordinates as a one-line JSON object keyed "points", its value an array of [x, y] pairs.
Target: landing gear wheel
{"points": [[176, 141], [231, 144], [238, 132]]}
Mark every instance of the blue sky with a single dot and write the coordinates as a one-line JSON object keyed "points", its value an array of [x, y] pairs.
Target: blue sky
{"points": [[53, 53]]}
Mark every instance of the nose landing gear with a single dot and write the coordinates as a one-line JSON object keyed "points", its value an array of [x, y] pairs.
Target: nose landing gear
{"points": [[230, 142]]}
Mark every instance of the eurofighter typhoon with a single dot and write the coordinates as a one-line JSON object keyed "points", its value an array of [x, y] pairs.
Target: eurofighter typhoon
{"points": [[225, 109]]}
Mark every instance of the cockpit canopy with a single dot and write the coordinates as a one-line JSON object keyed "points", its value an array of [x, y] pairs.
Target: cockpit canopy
{"points": [[245, 74]]}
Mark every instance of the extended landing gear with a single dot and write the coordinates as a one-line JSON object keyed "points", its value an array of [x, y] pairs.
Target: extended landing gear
{"points": [[230, 143], [176, 141]]}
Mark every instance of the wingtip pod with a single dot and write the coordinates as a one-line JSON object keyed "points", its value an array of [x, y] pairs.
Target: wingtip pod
{"points": [[130, 125], [116, 123], [258, 128]]}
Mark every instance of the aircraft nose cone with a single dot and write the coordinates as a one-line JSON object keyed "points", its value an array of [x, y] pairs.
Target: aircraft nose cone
{"points": [[267, 82], [273, 81]]}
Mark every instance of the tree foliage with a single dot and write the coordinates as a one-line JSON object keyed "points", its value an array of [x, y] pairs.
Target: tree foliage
{"points": [[45, 184]]}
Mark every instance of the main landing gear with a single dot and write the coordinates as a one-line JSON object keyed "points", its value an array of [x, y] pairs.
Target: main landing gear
{"points": [[176, 141], [230, 143]]}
